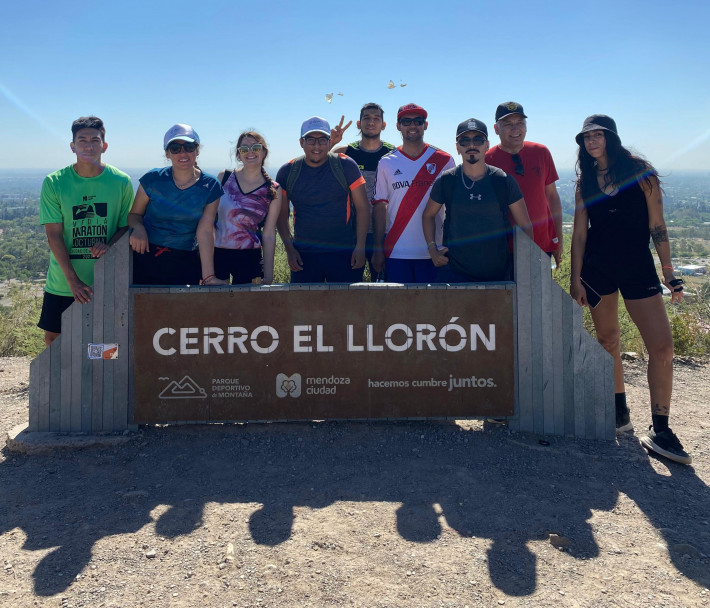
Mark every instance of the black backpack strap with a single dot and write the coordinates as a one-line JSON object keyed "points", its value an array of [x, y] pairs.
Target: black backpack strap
{"points": [[500, 185], [293, 175], [337, 168], [226, 175], [447, 183]]}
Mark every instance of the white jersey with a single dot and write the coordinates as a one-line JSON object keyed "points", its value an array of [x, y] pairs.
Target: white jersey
{"points": [[404, 184]]}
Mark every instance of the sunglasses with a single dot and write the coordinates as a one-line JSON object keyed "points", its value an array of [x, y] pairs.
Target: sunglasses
{"points": [[476, 140], [519, 169], [405, 122], [177, 148], [252, 148]]}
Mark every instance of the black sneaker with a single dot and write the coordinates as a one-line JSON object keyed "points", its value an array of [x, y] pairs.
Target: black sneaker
{"points": [[623, 421], [666, 444]]}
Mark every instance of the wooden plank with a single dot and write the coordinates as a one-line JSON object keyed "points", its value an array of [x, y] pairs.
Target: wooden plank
{"points": [[130, 401], [97, 335], [55, 386], [536, 313], [108, 338], [578, 354], [600, 396], [547, 350], [524, 335], [558, 359], [34, 396], [568, 363], [76, 360], [86, 367], [121, 334], [44, 379], [65, 343], [610, 431], [590, 393], [514, 420]]}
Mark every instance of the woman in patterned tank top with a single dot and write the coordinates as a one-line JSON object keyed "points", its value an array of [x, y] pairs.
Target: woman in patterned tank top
{"points": [[246, 219]]}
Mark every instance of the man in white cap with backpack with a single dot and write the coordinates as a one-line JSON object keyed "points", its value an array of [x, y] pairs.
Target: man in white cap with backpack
{"points": [[331, 211]]}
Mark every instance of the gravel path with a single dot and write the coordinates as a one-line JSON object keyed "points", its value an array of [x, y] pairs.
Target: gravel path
{"points": [[353, 514]]}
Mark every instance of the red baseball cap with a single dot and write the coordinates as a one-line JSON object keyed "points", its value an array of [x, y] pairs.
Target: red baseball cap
{"points": [[412, 108]]}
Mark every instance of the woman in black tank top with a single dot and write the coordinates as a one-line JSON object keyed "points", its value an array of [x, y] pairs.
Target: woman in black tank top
{"points": [[618, 205]]}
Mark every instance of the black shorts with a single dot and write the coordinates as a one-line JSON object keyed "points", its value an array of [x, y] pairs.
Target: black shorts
{"points": [[635, 281], [50, 319], [243, 264], [165, 266], [328, 266]]}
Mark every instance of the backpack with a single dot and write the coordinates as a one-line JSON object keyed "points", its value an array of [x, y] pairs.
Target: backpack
{"points": [[335, 166]]}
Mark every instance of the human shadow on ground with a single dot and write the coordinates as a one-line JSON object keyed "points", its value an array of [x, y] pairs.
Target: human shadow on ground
{"points": [[494, 485]]}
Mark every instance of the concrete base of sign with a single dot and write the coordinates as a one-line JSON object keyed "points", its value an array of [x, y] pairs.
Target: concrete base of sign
{"points": [[19, 439]]}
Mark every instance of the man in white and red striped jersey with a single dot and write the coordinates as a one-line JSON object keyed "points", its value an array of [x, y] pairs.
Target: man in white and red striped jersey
{"points": [[404, 180]]}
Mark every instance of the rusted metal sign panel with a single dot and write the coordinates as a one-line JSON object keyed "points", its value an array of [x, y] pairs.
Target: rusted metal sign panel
{"points": [[320, 354]]}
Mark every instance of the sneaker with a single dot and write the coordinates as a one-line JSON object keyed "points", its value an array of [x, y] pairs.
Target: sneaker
{"points": [[666, 444], [623, 421]]}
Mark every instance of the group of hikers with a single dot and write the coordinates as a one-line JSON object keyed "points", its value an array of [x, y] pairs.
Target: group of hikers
{"points": [[408, 211]]}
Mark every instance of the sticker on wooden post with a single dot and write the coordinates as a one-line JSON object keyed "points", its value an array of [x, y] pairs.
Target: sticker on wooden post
{"points": [[103, 351]]}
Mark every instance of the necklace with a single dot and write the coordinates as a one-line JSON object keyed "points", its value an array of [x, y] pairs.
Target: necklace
{"points": [[185, 184], [463, 180], [473, 183]]}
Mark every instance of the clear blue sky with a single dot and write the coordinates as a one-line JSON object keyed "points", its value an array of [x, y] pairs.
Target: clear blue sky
{"points": [[225, 66]]}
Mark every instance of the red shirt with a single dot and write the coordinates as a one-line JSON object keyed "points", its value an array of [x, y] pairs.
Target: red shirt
{"points": [[539, 172]]}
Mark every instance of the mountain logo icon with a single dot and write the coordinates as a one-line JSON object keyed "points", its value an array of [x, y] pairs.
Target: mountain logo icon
{"points": [[187, 388]]}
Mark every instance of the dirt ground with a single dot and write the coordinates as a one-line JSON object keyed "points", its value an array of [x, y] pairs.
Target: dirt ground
{"points": [[346, 514]]}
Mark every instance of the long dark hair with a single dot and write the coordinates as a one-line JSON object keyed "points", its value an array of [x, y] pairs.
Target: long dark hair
{"points": [[625, 168], [259, 139]]}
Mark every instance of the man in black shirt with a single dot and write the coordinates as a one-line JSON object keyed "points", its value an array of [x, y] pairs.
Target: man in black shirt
{"points": [[480, 203], [367, 153]]}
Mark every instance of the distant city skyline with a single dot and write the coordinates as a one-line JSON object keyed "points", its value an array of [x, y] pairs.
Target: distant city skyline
{"points": [[226, 66]]}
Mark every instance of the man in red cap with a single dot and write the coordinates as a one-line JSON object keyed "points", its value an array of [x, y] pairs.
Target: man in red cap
{"points": [[404, 181], [532, 167]]}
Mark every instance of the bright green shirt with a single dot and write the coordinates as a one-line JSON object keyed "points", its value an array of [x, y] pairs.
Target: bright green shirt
{"points": [[90, 210]]}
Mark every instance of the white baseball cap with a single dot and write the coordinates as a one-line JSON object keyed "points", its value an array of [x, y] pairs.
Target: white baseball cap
{"points": [[316, 124], [180, 131]]}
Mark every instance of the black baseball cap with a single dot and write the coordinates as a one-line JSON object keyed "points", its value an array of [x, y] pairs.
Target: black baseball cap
{"points": [[471, 124], [507, 108], [597, 122]]}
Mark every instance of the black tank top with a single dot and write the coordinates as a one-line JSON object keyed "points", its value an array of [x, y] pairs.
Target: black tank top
{"points": [[618, 225]]}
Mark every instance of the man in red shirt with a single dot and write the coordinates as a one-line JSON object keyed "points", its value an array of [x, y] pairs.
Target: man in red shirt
{"points": [[532, 167]]}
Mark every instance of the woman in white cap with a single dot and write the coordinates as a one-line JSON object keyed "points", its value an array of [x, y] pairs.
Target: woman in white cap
{"points": [[618, 206], [251, 200], [173, 214]]}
